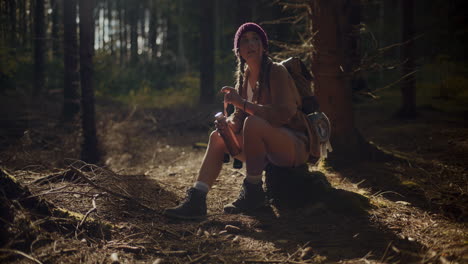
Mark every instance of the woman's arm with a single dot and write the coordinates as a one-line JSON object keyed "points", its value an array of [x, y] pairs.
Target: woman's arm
{"points": [[284, 103]]}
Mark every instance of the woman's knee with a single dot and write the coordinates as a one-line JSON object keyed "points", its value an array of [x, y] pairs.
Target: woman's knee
{"points": [[216, 140], [254, 124], [215, 137]]}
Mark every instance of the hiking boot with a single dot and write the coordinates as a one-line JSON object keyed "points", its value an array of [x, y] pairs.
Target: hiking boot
{"points": [[193, 207], [251, 197]]}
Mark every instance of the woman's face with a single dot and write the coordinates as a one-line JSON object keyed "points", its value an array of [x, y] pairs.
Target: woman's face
{"points": [[250, 47]]}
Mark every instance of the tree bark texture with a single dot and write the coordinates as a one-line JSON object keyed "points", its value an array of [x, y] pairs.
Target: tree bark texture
{"points": [[133, 19], [13, 28], [55, 27], [153, 30], [122, 33], [329, 67], [244, 11], [71, 102], [408, 90], [39, 47], [89, 152], [23, 29], [110, 25], [207, 53]]}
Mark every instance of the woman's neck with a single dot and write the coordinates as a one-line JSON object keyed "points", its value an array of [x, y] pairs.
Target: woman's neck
{"points": [[254, 70]]}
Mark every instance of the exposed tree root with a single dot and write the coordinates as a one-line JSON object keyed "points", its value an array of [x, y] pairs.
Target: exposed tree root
{"points": [[30, 215]]}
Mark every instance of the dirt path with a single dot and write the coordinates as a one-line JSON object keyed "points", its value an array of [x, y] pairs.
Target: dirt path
{"points": [[154, 163]]}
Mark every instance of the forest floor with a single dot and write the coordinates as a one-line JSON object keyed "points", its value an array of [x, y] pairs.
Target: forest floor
{"points": [[417, 213]]}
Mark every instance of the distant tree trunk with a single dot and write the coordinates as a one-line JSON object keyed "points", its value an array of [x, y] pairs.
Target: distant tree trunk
{"points": [[31, 25], [153, 27], [110, 26], [181, 60], [133, 11], [218, 16], [39, 48], [358, 80], [122, 32], [142, 21], [103, 26], [244, 11], [13, 31], [12, 20], [381, 35], [55, 27], [207, 53], [23, 30], [89, 152], [408, 89], [71, 102], [329, 65]]}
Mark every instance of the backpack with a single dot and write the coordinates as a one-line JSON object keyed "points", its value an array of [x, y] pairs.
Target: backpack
{"points": [[318, 121]]}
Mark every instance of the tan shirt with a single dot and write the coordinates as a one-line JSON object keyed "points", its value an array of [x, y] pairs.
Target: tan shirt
{"points": [[279, 104]]}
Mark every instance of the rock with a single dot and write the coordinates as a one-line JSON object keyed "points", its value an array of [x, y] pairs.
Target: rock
{"points": [[295, 187]]}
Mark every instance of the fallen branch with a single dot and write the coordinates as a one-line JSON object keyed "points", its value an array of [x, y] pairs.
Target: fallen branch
{"points": [[14, 251], [128, 248], [199, 258], [64, 192], [172, 253], [64, 176], [89, 211], [85, 178], [168, 231]]}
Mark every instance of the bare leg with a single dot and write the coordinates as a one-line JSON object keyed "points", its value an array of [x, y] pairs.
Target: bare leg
{"points": [[194, 205], [213, 160], [264, 143]]}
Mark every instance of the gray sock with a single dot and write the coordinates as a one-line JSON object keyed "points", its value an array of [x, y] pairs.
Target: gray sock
{"points": [[254, 179], [201, 186]]}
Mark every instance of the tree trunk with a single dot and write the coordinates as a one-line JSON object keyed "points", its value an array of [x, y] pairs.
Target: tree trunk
{"points": [[153, 27], [103, 26], [142, 21], [358, 80], [329, 65], [31, 25], [39, 48], [12, 20], [23, 25], [55, 27], [133, 33], [408, 90], [122, 32], [244, 11], [207, 53], [71, 99], [89, 152], [181, 60], [110, 29]]}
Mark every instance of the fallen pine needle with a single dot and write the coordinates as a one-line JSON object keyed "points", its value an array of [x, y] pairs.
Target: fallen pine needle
{"points": [[20, 253]]}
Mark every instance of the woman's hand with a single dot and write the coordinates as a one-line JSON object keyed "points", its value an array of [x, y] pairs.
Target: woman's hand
{"points": [[222, 125], [232, 97]]}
